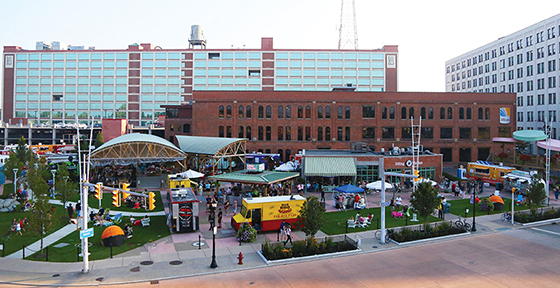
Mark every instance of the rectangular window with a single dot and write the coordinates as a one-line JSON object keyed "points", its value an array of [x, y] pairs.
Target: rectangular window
{"points": [[446, 133], [483, 132], [504, 131], [368, 111], [388, 132], [368, 132], [465, 133]]}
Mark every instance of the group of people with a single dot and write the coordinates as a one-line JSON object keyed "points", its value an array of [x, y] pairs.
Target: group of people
{"points": [[361, 220], [19, 225], [212, 203], [286, 232]]}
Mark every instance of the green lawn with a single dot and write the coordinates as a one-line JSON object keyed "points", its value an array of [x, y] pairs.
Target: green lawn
{"points": [[158, 228], [14, 242], [458, 207], [8, 188], [107, 201], [336, 221]]}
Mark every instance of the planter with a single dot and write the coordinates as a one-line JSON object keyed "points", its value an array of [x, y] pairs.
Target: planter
{"points": [[538, 223], [430, 239], [308, 258]]}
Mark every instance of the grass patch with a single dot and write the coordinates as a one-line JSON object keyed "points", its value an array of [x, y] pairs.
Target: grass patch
{"points": [[14, 242], [158, 229], [458, 207], [8, 188], [107, 201], [336, 221]]}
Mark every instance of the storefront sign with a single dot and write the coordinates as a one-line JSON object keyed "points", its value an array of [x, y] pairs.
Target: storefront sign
{"points": [[408, 163], [505, 115], [255, 167]]}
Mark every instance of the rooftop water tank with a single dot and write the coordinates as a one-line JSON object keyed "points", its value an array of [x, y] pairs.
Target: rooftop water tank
{"points": [[197, 33]]}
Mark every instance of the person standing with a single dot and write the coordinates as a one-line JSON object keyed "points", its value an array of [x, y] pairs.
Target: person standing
{"points": [[78, 208], [226, 206], [70, 210], [211, 217], [288, 235], [556, 192], [282, 230], [220, 218], [322, 195], [234, 207]]}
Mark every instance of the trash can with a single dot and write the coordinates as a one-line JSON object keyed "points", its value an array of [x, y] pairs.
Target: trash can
{"points": [[446, 207], [499, 186]]}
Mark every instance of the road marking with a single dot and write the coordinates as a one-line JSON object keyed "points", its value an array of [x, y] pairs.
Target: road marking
{"points": [[546, 231]]}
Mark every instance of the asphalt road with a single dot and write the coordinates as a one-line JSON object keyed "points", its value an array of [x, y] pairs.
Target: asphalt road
{"points": [[528, 257]]}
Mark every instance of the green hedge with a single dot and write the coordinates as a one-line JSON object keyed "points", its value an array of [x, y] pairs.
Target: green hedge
{"points": [[308, 247], [534, 216], [407, 234]]}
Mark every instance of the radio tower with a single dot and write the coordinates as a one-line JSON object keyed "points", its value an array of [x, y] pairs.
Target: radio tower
{"points": [[348, 30]]}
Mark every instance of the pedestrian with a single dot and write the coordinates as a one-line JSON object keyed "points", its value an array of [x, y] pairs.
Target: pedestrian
{"points": [[78, 208], [234, 207], [220, 218], [283, 230], [21, 225], [18, 228], [322, 195], [211, 218], [70, 211], [226, 206], [288, 235]]}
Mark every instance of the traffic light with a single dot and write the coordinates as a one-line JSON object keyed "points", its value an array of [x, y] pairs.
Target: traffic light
{"points": [[151, 200], [98, 191], [417, 174], [116, 199], [125, 188]]}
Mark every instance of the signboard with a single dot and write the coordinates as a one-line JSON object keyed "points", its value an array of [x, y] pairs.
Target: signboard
{"points": [[384, 204], [9, 62], [255, 167], [86, 233], [391, 61], [505, 115]]}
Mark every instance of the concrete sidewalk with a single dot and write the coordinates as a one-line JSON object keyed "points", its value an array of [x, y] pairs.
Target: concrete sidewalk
{"points": [[50, 239]]}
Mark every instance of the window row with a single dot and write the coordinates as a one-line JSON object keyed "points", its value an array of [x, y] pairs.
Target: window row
{"points": [[283, 112]]}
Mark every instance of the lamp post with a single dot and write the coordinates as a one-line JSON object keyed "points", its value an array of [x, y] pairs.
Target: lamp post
{"points": [[15, 180], [53, 190], [214, 265], [473, 212]]}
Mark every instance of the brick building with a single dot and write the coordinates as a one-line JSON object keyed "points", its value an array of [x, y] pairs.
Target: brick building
{"points": [[459, 126]]}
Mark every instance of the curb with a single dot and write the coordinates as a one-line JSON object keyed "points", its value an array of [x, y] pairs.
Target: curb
{"points": [[538, 223], [308, 258], [430, 239]]}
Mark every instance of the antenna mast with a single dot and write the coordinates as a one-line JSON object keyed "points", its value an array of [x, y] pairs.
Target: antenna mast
{"points": [[348, 30]]}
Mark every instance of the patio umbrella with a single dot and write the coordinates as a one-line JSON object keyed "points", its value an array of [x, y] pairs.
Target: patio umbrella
{"points": [[496, 199], [191, 174], [422, 180], [377, 185], [113, 236], [349, 188]]}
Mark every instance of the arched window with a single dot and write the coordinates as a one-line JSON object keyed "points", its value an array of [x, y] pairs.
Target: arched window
{"points": [[320, 112], [248, 112], [449, 113], [328, 112], [280, 133], [410, 112], [288, 154], [171, 127], [268, 133], [384, 113], [347, 112], [221, 111], [228, 131], [260, 133], [261, 112], [423, 112], [403, 113], [328, 134], [187, 128], [339, 112], [300, 112], [469, 113], [392, 113], [431, 113], [487, 114], [307, 112], [319, 133], [268, 112], [288, 112], [240, 132], [221, 131], [300, 133], [228, 111], [241, 113], [280, 112], [281, 154], [461, 113], [442, 113], [480, 113], [248, 133], [288, 134]]}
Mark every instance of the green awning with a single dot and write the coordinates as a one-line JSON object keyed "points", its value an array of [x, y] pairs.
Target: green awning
{"points": [[266, 177], [529, 135], [329, 166]]}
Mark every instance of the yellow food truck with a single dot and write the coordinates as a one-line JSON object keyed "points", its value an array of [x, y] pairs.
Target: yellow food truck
{"points": [[179, 181], [267, 213], [487, 172]]}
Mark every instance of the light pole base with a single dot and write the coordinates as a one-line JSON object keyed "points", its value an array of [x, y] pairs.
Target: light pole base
{"points": [[214, 265]]}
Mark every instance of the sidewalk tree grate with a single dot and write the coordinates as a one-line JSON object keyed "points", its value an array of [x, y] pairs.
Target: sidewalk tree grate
{"points": [[154, 282], [373, 246], [135, 269], [100, 279], [146, 263], [55, 275], [176, 262]]}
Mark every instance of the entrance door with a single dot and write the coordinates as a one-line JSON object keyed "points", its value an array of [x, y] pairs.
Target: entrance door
{"points": [[257, 219]]}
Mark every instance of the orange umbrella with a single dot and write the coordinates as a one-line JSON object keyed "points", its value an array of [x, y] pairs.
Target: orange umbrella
{"points": [[113, 236], [496, 199]]}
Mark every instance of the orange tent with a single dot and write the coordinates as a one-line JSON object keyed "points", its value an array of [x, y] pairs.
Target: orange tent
{"points": [[496, 199]]}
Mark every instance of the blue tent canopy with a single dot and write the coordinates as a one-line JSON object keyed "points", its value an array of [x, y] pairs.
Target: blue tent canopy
{"points": [[349, 188]]}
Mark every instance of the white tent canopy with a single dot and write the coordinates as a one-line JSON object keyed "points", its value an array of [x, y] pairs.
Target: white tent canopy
{"points": [[377, 185]]}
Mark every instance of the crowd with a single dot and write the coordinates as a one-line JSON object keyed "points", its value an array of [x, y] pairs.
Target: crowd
{"points": [[19, 225]]}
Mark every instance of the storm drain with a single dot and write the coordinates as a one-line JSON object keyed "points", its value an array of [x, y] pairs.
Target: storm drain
{"points": [[176, 262], [146, 263], [154, 282], [56, 275], [135, 269], [373, 246], [100, 279]]}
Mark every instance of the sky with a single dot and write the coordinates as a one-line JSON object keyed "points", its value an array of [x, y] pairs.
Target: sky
{"points": [[427, 32]]}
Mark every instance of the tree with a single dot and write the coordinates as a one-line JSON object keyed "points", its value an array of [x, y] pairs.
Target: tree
{"points": [[22, 152], [425, 200], [64, 186], [11, 164], [535, 192], [98, 140], [40, 220], [311, 216]]}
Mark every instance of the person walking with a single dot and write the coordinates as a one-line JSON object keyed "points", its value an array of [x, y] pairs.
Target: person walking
{"points": [[78, 208], [70, 210], [220, 218], [322, 195], [226, 206], [282, 230], [288, 235], [234, 207]]}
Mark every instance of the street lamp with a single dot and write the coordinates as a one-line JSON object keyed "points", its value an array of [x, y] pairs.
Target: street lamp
{"points": [[53, 172], [15, 180], [214, 265], [473, 212]]}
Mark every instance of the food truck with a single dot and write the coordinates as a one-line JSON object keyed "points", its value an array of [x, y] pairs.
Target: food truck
{"points": [[487, 172], [267, 213], [184, 209], [179, 181]]}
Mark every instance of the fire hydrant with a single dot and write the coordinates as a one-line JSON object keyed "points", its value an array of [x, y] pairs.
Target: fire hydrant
{"points": [[240, 257]]}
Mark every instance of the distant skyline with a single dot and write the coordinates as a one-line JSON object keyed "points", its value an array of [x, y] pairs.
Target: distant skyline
{"points": [[427, 32]]}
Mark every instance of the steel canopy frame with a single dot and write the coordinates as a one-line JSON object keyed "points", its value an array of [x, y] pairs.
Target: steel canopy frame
{"points": [[136, 152], [232, 150]]}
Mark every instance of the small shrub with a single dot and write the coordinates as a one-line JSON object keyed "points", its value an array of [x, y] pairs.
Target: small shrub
{"points": [[533, 211], [267, 250], [247, 233], [299, 248]]}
